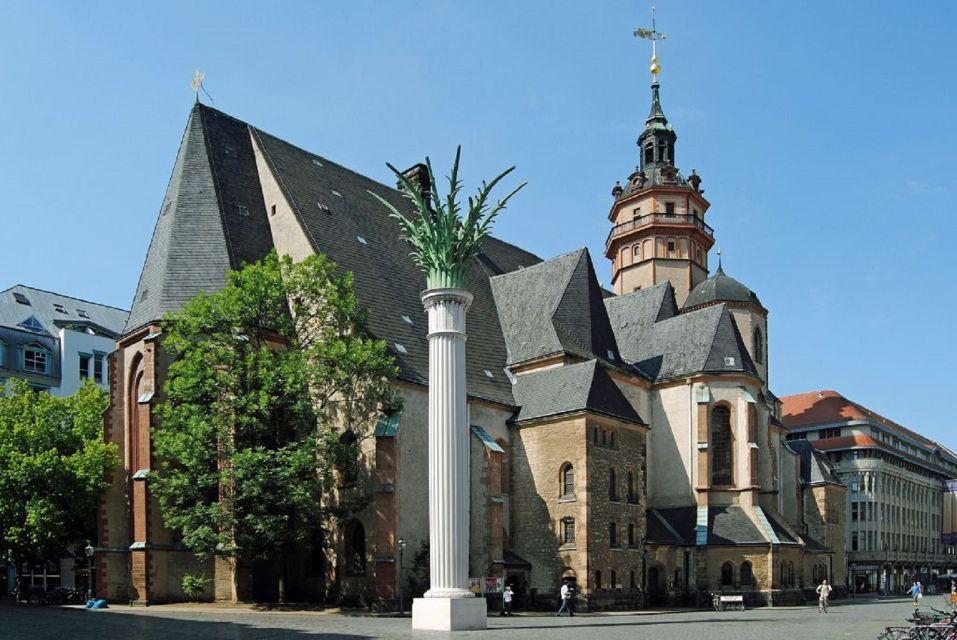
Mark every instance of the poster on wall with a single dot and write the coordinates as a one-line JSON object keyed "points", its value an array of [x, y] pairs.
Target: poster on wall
{"points": [[949, 532]]}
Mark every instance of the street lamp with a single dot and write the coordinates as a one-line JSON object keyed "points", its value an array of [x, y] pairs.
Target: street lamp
{"points": [[400, 543], [89, 569]]}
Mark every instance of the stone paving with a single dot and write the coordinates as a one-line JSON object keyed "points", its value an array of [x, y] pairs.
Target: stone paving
{"points": [[857, 619]]}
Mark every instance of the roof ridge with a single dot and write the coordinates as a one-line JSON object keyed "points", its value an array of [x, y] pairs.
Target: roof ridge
{"points": [[63, 295]]}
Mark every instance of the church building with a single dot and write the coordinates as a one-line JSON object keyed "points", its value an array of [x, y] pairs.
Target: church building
{"points": [[625, 440]]}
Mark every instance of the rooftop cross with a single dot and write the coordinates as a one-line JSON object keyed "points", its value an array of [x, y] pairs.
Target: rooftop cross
{"points": [[654, 35]]}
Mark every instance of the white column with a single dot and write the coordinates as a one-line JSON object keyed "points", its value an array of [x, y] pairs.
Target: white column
{"points": [[448, 604]]}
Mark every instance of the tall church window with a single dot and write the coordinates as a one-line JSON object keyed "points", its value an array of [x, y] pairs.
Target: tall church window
{"points": [[568, 480], [727, 574], [722, 456], [746, 575], [758, 349], [349, 465], [612, 484]]}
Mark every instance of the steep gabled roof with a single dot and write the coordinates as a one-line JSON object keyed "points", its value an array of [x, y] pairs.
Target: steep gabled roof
{"points": [[695, 342], [585, 386], [554, 307], [212, 218], [633, 314], [387, 282]]}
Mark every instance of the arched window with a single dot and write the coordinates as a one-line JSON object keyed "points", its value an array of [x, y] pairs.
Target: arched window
{"points": [[758, 347], [631, 582], [624, 254], [356, 548], [746, 575], [790, 574], [612, 484], [614, 580], [722, 456], [637, 251], [567, 480], [683, 243], [632, 494], [598, 579], [727, 574]]}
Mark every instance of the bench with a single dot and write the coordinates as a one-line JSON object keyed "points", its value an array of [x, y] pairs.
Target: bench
{"points": [[728, 603]]}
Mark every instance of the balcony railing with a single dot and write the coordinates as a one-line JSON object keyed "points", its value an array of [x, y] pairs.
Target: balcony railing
{"points": [[659, 218]]}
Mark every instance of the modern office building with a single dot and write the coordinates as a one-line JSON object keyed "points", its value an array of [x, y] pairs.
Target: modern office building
{"points": [[896, 481]]}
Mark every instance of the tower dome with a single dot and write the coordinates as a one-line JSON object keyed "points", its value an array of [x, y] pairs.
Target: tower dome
{"points": [[721, 288]]}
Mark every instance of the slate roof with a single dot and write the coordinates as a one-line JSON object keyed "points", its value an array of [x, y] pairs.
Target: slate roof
{"points": [[585, 386], [671, 526], [387, 282], [721, 288], [100, 318], [553, 307], [212, 218], [731, 525], [677, 345], [815, 467]]}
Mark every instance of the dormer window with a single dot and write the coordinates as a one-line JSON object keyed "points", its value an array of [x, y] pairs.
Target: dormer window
{"points": [[32, 324]]}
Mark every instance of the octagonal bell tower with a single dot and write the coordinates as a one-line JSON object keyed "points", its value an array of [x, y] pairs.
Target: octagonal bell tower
{"points": [[658, 233]]}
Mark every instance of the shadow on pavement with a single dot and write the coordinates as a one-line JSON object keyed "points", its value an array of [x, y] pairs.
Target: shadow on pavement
{"points": [[25, 622]]}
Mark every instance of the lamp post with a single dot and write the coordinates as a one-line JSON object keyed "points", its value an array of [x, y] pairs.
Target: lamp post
{"points": [[89, 550], [400, 544]]}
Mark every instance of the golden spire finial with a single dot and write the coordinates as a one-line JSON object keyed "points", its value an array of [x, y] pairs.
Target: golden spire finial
{"points": [[654, 35]]}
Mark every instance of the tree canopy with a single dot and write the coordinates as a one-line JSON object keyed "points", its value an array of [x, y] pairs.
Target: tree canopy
{"points": [[268, 374], [53, 467]]}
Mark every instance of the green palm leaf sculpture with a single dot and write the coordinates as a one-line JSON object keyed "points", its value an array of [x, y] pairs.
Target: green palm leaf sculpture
{"points": [[443, 242]]}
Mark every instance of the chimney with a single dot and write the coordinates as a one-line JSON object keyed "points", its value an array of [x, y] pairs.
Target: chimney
{"points": [[418, 175]]}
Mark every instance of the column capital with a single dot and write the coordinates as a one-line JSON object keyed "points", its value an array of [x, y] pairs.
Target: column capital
{"points": [[432, 297]]}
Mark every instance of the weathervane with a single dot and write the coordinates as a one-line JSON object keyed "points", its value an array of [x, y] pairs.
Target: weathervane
{"points": [[197, 84], [654, 35]]}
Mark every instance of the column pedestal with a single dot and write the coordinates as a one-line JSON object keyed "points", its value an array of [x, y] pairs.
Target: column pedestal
{"points": [[448, 605]]}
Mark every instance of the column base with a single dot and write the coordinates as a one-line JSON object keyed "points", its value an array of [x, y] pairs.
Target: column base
{"points": [[449, 614]]}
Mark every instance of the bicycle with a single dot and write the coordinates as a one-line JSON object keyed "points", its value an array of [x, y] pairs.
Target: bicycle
{"points": [[822, 605]]}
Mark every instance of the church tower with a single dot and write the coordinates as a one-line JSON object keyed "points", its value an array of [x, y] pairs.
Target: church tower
{"points": [[659, 232]]}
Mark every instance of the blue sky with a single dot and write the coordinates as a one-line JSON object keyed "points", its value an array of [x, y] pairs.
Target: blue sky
{"points": [[824, 132]]}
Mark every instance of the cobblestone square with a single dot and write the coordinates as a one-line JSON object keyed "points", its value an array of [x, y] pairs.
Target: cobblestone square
{"points": [[861, 619]]}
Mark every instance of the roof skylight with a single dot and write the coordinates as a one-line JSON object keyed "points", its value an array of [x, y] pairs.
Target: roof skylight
{"points": [[316, 162], [400, 348], [406, 319], [361, 240], [21, 299], [59, 308], [336, 193], [324, 207], [489, 374], [82, 313], [32, 324]]}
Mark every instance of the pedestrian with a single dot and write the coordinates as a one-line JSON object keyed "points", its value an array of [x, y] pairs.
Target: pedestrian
{"points": [[568, 596], [953, 594], [823, 593], [914, 592], [507, 601]]}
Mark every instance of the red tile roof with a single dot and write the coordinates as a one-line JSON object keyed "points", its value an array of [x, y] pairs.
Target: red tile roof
{"points": [[824, 407]]}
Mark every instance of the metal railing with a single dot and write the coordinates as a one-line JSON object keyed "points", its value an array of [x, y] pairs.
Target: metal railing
{"points": [[661, 218]]}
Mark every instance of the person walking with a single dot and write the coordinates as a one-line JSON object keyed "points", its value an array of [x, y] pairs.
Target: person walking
{"points": [[914, 592], [568, 595], [823, 594], [953, 594], [507, 601]]}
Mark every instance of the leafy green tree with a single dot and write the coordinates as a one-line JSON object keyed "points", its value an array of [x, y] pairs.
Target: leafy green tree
{"points": [[53, 467], [268, 373]]}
